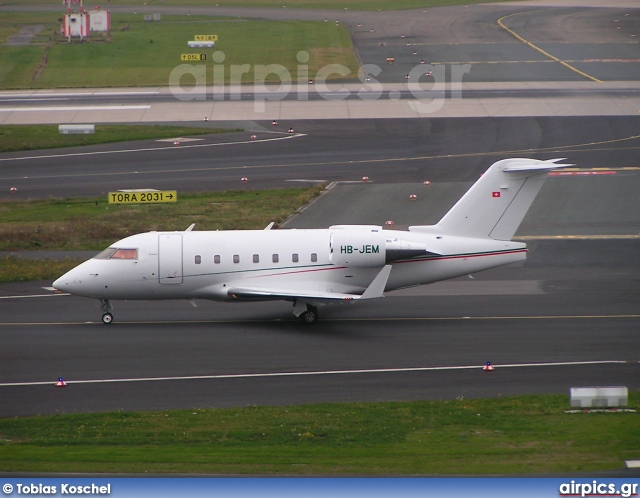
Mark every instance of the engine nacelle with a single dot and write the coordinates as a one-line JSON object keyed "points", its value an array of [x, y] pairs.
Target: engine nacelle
{"points": [[357, 248], [367, 247]]}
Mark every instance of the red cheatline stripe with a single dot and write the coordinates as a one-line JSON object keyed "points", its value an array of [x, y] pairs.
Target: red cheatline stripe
{"points": [[581, 173]]}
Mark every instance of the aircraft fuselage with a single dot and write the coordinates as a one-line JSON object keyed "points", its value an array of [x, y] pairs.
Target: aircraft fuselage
{"points": [[187, 265]]}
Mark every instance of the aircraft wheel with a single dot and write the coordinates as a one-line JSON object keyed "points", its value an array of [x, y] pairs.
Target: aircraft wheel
{"points": [[107, 318], [309, 316]]}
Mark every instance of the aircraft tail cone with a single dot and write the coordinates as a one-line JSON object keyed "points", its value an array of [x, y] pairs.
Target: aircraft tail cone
{"points": [[61, 383], [488, 367]]}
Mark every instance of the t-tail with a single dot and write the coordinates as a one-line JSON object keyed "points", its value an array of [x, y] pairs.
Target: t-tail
{"points": [[496, 204]]}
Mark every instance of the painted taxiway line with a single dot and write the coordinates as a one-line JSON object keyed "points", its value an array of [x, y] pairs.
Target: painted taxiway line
{"points": [[535, 47], [576, 237], [317, 373], [292, 320], [342, 319]]}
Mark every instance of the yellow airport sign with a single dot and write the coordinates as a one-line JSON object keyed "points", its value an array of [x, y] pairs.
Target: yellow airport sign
{"points": [[136, 197], [205, 38], [193, 57]]}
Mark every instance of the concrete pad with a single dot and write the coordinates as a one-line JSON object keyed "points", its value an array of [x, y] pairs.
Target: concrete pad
{"points": [[109, 116], [461, 108], [245, 111], [178, 111], [362, 109], [317, 109], [27, 118]]}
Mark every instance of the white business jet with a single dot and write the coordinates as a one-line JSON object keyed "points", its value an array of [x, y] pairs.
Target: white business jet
{"points": [[344, 263]]}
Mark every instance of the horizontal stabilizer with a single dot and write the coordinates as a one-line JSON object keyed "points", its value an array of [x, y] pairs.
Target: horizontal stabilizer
{"points": [[536, 166]]}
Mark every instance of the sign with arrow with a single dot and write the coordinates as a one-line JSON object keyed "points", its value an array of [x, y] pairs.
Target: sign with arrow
{"points": [[142, 196]]}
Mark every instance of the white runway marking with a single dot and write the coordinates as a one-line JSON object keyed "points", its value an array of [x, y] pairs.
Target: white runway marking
{"points": [[78, 108], [47, 95], [315, 373], [180, 139], [148, 149], [36, 295]]}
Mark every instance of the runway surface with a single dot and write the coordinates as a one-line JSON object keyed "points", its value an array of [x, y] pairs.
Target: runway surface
{"points": [[396, 151], [573, 306], [568, 316]]}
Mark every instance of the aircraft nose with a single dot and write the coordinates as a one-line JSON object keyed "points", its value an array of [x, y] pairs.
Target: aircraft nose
{"points": [[66, 284], [73, 281]]}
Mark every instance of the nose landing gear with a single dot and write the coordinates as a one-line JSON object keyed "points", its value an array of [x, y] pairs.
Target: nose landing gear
{"points": [[107, 316]]}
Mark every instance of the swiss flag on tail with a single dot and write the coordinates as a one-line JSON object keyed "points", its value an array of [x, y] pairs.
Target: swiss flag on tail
{"points": [[495, 194]]}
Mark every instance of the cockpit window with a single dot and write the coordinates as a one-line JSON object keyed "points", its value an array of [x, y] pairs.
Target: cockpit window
{"points": [[106, 254], [115, 253], [125, 254]]}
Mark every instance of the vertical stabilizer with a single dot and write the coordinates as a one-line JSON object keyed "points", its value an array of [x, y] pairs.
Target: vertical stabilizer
{"points": [[496, 204]]}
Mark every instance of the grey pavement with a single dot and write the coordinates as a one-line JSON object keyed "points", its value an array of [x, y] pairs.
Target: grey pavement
{"points": [[343, 101]]}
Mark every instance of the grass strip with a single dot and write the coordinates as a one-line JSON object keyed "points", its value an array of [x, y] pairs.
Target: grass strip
{"points": [[16, 269], [33, 137], [298, 4], [91, 224], [514, 435], [138, 53]]}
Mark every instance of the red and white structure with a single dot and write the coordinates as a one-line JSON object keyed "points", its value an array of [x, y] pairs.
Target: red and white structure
{"points": [[80, 24], [75, 25]]}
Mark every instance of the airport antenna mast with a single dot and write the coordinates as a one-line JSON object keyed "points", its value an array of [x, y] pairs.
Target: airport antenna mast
{"points": [[68, 3]]}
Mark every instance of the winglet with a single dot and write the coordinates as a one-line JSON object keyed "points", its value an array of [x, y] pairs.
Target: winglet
{"points": [[270, 225], [376, 287], [190, 227]]}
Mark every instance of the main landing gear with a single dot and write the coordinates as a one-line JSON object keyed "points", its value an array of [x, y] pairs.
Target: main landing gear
{"points": [[107, 316], [309, 316], [306, 312]]}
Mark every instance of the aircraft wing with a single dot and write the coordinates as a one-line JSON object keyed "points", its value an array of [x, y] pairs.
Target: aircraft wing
{"points": [[375, 290], [259, 293]]}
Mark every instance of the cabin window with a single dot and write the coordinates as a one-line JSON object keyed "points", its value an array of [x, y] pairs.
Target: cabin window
{"points": [[275, 258], [314, 257], [125, 254], [216, 259], [236, 258], [198, 259], [256, 258], [294, 257]]}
